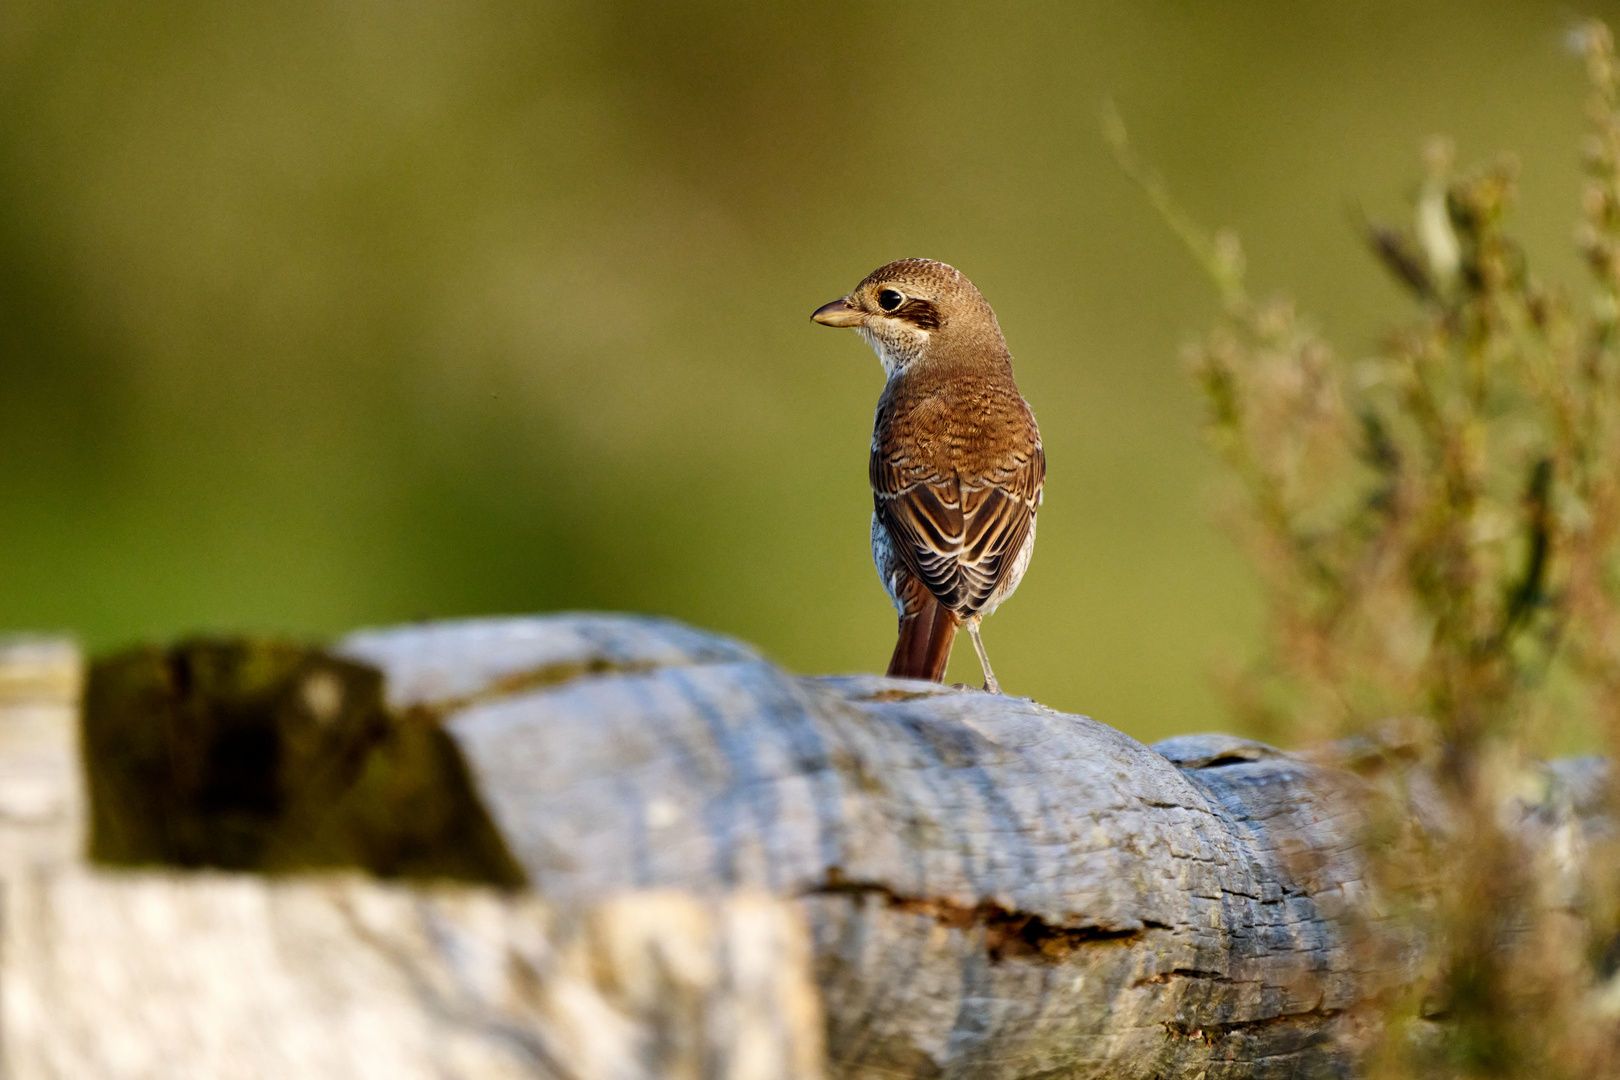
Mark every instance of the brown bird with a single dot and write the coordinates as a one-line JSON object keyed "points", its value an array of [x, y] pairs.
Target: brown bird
{"points": [[956, 465]]}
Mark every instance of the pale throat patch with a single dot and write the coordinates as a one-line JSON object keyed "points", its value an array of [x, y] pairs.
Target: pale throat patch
{"points": [[897, 351]]}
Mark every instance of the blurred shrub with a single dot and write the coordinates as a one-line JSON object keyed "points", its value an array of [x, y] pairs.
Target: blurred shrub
{"points": [[1434, 527]]}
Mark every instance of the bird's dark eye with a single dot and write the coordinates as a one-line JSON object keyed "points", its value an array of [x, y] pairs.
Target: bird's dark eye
{"points": [[888, 299]]}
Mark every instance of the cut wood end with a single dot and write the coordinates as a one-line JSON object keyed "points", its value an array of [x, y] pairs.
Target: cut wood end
{"points": [[40, 669]]}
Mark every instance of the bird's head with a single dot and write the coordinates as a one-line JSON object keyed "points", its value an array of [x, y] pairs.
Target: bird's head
{"points": [[918, 311]]}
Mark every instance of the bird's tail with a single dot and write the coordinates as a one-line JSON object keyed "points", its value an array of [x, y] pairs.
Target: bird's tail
{"points": [[924, 647]]}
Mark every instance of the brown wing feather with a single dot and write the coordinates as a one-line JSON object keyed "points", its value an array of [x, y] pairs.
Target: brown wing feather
{"points": [[959, 536], [924, 520]]}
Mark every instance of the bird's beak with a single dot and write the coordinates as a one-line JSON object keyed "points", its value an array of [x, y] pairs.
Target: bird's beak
{"points": [[838, 313]]}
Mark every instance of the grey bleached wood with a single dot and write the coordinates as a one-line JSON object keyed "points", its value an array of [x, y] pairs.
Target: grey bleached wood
{"points": [[997, 889], [200, 976], [980, 887], [42, 815], [228, 977]]}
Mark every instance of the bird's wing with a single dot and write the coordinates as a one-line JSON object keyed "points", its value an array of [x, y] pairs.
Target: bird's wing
{"points": [[959, 534], [923, 518], [997, 515]]}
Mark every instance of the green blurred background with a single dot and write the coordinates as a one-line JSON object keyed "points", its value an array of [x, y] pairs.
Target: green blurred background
{"points": [[315, 315]]}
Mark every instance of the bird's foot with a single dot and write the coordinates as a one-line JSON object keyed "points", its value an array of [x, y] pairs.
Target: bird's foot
{"points": [[990, 684]]}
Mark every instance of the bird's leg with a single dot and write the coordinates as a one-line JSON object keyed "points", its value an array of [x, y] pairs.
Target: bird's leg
{"points": [[990, 683]]}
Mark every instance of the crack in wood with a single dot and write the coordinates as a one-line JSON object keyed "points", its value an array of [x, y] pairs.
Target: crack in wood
{"points": [[1183, 973], [536, 678], [1309, 1020], [1008, 935]]}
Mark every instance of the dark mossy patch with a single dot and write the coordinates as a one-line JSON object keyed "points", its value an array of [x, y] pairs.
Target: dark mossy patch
{"points": [[275, 756]]}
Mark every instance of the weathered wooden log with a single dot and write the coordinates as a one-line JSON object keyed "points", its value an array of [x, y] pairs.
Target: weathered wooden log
{"points": [[164, 975], [218, 977], [997, 889], [992, 889]]}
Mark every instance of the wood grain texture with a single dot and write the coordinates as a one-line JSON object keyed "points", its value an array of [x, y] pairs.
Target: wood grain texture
{"points": [[210, 976], [166, 975], [736, 872], [997, 889]]}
